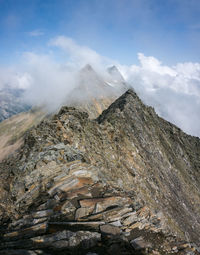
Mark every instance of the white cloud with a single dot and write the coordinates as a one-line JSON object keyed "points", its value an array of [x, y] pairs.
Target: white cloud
{"points": [[50, 82], [36, 33], [10, 77], [154, 65]]}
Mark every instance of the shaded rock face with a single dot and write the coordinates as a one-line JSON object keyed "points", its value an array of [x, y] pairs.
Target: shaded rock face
{"points": [[127, 182]]}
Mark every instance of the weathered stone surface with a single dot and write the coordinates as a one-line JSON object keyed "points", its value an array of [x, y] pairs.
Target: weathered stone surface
{"points": [[136, 225], [130, 219], [67, 239], [41, 214], [143, 212], [28, 232], [110, 230], [50, 203], [116, 223], [83, 211], [102, 204], [126, 174], [80, 192], [117, 213], [66, 208]]}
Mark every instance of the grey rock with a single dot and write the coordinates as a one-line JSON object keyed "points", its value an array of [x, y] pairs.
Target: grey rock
{"points": [[68, 208], [41, 214], [131, 219], [27, 232], [110, 230], [116, 223], [82, 212]]}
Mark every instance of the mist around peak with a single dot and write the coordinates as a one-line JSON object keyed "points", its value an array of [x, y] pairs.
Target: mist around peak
{"points": [[174, 91], [115, 73]]}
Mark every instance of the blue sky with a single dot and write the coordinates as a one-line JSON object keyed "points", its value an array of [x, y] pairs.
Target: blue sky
{"points": [[117, 29]]}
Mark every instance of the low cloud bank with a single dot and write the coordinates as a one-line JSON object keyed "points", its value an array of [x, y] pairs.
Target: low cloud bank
{"points": [[50, 83], [174, 91], [10, 77]]}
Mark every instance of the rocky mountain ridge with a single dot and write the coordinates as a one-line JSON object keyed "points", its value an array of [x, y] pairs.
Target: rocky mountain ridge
{"points": [[93, 93], [126, 182], [90, 87]]}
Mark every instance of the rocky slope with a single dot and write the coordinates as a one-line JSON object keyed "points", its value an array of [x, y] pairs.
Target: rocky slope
{"points": [[12, 130], [127, 182]]}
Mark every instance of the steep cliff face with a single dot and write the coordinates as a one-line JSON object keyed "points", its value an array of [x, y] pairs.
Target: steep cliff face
{"points": [[127, 182], [168, 161]]}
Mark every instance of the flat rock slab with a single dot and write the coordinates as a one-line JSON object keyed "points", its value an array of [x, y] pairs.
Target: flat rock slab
{"points": [[43, 213], [110, 230], [27, 232], [93, 225], [68, 239]]}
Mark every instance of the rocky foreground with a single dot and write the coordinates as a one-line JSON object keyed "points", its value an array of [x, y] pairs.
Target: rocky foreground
{"points": [[127, 182]]}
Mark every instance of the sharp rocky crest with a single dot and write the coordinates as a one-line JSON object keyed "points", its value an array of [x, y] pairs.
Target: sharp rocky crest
{"points": [[127, 182]]}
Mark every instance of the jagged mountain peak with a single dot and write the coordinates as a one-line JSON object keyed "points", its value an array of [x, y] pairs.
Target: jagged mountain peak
{"points": [[87, 67], [112, 68], [88, 76], [88, 70], [128, 100], [93, 92], [115, 73]]}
